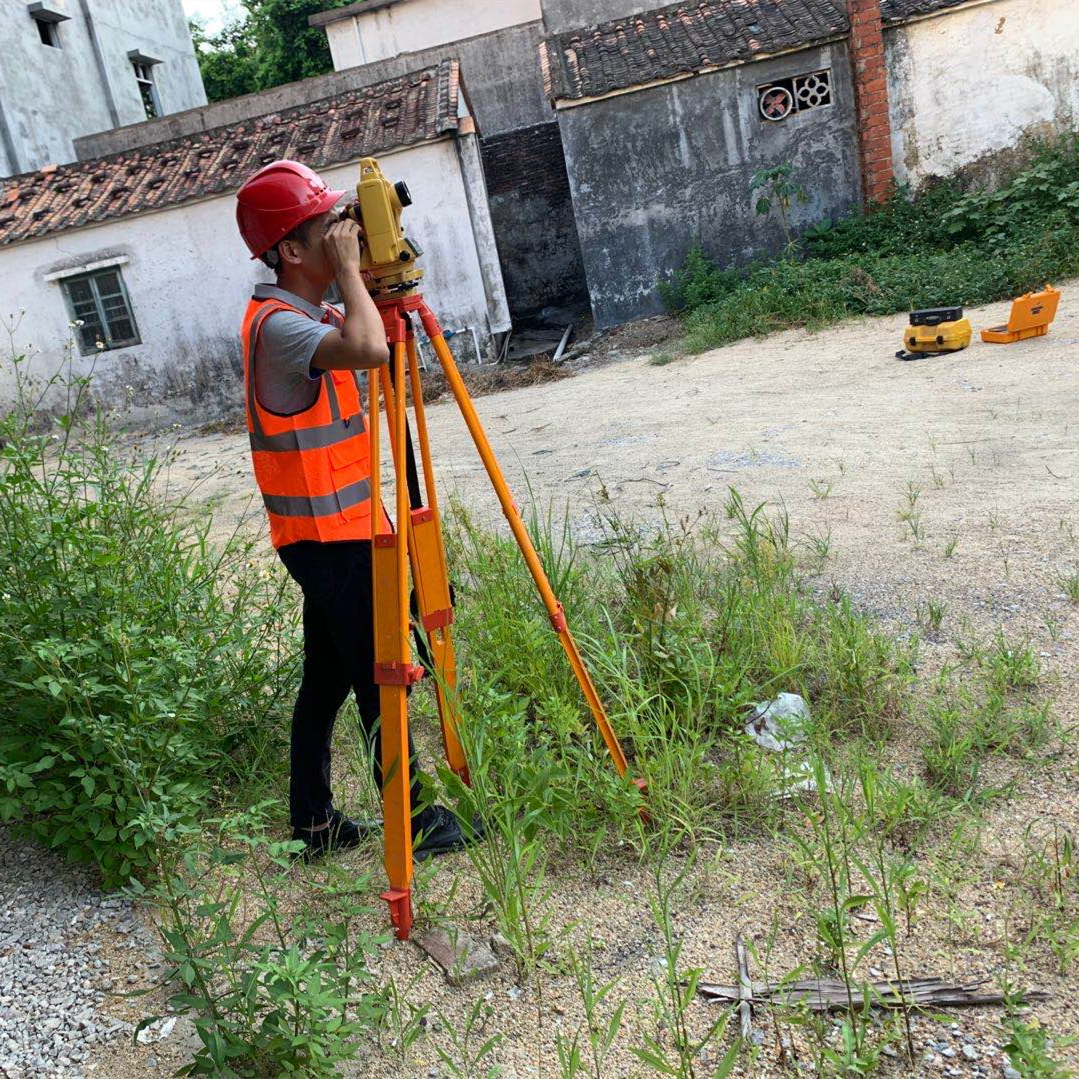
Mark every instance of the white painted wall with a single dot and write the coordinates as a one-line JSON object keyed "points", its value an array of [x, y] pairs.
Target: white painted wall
{"points": [[420, 24], [967, 83], [50, 96], [188, 277]]}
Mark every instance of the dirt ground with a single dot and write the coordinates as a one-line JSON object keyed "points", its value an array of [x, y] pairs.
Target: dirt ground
{"points": [[833, 429]]}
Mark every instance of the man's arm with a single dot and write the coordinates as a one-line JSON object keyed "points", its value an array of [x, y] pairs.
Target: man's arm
{"points": [[361, 341]]}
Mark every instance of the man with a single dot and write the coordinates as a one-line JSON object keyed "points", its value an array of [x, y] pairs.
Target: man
{"points": [[311, 459]]}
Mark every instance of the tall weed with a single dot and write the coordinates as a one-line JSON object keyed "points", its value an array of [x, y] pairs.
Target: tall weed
{"points": [[684, 625], [272, 991]]}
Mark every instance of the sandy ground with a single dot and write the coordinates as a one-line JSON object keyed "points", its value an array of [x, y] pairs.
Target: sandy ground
{"points": [[987, 438], [830, 427]]}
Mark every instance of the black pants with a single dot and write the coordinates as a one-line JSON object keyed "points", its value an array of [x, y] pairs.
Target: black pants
{"points": [[338, 656]]}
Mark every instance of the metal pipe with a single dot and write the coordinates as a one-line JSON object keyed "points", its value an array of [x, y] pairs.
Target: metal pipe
{"points": [[562, 344]]}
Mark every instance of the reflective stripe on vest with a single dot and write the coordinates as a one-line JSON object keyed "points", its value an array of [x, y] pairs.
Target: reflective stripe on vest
{"points": [[313, 468], [318, 505]]}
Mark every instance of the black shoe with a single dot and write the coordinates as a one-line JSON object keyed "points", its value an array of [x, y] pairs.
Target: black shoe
{"points": [[342, 834], [438, 831]]}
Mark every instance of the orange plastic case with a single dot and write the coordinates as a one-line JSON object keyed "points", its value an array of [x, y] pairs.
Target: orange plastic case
{"points": [[1030, 317]]}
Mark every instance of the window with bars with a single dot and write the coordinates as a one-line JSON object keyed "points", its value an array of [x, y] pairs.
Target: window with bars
{"points": [[99, 302], [144, 76]]}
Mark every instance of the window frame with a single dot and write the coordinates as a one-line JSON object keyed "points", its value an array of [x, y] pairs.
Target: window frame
{"points": [[47, 31], [48, 18], [90, 276], [144, 78]]}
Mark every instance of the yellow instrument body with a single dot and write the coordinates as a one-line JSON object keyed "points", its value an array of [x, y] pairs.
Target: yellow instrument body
{"points": [[388, 256]]}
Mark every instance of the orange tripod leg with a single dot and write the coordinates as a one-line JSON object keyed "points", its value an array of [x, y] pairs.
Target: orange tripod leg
{"points": [[432, 581], [393, 669], [427, 558], [520, 534]]}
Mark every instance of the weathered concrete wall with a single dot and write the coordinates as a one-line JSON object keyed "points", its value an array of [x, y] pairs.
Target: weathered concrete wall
{"points": [[532, 212], [35, 93], [188, 276], [497, 72], [655, 171], [51, 96], [562, 15], [969, 85], [420, 24], [474, 186]]}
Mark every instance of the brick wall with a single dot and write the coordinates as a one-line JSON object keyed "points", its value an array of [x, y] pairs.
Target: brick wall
{"points": [[871, 99], [530, 156], [532, 214]]}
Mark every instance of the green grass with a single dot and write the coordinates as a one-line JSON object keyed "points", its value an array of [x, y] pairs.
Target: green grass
{"points": [[684, 626], [941, 246], [1069, 585]]}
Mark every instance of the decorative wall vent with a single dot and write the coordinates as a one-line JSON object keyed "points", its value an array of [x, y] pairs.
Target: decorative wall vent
{"points": [[780, 99]]}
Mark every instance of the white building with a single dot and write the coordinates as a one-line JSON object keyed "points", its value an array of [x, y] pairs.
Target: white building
{"points": [[142, 246], [371, 30], [72, 67]]}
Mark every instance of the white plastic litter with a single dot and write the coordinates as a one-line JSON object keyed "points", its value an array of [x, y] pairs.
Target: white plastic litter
{"points": [[157, 1031], [780, 724]]}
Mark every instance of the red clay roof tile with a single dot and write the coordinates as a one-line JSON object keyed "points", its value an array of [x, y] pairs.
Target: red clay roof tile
{"points": [[681, 39], [408, 109]]}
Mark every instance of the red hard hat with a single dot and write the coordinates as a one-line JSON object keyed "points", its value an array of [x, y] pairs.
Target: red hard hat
{"points": [[276, 199]]}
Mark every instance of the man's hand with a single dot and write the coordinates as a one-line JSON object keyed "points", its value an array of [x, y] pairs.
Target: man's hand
{"points": [[342, 242], [361, 341]]}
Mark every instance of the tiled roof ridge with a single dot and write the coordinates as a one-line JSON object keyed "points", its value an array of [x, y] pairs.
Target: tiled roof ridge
{"points": [[688, 36], [406, 109], [681, 38]]}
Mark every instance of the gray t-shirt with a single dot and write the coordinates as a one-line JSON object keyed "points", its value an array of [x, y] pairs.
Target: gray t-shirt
{"points": [[285, 381]]}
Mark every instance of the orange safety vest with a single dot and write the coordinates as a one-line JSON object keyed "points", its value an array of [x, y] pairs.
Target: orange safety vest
{"points": [[313, 467]]}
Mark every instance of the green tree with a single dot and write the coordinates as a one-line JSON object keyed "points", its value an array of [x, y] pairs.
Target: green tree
{"points": [[778, 189], [226, 60], [272, 44]]}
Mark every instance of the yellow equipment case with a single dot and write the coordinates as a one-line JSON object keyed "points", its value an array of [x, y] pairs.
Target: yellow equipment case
{"points": [[1030, 317], [935, 329]]}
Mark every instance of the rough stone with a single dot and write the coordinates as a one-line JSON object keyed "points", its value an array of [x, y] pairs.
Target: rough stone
{"points": [[49, 977], [463, 957], [500, 946]]}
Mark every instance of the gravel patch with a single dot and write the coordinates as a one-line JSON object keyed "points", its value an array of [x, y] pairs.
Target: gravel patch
{"points": [[54, 977]]}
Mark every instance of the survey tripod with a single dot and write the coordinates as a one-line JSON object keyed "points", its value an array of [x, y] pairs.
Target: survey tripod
{"points": [[419, 545]]}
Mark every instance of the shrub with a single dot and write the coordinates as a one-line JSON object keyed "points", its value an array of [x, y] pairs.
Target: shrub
{"points": [[143, 667], [939, 247]]}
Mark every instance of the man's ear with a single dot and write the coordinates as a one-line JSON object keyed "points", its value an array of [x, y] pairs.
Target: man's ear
{"points": [[290, 251]]}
